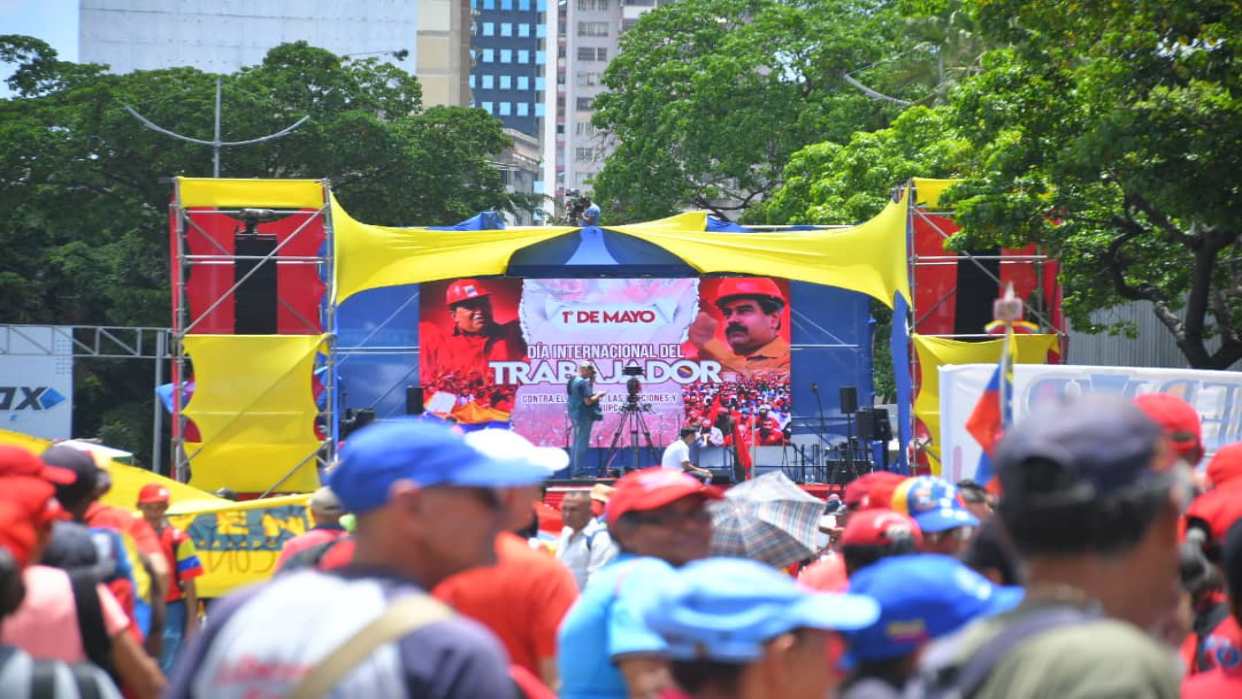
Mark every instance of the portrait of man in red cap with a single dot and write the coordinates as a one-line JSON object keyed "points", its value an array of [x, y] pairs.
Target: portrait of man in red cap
{"points": [[751, 310], [472, 337]]}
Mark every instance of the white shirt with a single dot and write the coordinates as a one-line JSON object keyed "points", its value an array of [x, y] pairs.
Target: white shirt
{"points": [[675, 455], [585, 551]]}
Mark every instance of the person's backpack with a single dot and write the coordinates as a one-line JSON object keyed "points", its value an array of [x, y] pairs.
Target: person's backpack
{"points": [[943, 675], [95, 641]]}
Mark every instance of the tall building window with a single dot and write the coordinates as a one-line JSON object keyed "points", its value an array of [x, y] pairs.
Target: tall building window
{"points": [[504, 109], [489, 4], [584, 155], [487, 107], [587, 79], [601, 53], [586, 53], [541, 31], [487, 81], [523, 82], [539, 57], [506, 82], [488, 56], [471, 81], [592, 29], [539, 83], [506, 56], [524, 5], [489, 29], [506, 4], [523, 56], [592, 4], [524, 31], [584, 104], [539, 109], [506, 29], [523, 109]]}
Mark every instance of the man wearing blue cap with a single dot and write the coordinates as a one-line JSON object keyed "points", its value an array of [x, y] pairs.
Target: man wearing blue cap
{"points": [[934, 504], [735, 628], [427, 505], [922, 597], [1091, 501]]}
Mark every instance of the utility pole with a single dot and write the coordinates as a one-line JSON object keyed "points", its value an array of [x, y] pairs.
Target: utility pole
{"points": [[215, 143]]}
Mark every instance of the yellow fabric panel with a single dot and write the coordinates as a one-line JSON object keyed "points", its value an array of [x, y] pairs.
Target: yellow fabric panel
{"points": [[929, 190], [369, 257], [869, 258], [34, 445], [276, 194], [128, 480], [238, 542], [935, 352], [255, 410]]}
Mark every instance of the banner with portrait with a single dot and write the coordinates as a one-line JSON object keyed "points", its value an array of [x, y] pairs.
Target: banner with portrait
{"points": [[713, 353]]}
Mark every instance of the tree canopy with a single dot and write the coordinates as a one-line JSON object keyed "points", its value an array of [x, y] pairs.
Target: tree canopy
{"points": [[82, 182]]}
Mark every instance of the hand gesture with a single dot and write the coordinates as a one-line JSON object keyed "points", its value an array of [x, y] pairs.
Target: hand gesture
{"points": [[703, 329]]}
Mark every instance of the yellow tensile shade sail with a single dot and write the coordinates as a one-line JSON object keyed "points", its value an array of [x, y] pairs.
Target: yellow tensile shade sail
{"points": [[255, 409], [369, 257], [929, 190], [869, 258], [194, 192], [935, 352]]}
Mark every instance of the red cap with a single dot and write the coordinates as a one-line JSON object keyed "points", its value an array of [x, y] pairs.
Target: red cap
{"points": [[880, 528], [1218, 508], [1226, 465], [870, 490], [748, 286], [27, 504], [653, 488], [1179, 421], [15, 461], [153, 492], [464, 290]]}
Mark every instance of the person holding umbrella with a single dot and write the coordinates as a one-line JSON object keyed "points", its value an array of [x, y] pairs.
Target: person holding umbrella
{"points": [[659, 520]]}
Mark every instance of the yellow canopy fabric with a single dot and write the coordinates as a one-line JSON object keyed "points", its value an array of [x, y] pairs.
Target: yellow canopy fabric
{"points": [[369, 257], [34, 445], [196, 192], [128, 480], [935, 352], [255, 409], [928, 190], [869, 258]]}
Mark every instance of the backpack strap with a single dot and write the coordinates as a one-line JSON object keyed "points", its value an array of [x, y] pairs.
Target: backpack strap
{"points": [[402, 617], [95, 641], [951, 681]]}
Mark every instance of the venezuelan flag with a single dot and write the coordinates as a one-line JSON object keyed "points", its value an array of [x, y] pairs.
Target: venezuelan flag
{"points": [[994, 411]]}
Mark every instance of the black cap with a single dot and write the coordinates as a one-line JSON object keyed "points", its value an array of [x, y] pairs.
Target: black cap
{"points": [[1078, 451], [82, 464]]}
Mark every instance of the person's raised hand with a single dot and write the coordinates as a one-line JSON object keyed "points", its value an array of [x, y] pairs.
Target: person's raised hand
{"points": [[703, 329]]}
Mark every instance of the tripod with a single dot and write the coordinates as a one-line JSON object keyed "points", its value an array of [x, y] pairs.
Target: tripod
{"points": [[631, 421]]}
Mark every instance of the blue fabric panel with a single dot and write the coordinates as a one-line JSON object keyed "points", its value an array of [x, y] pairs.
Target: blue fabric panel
{"points": [[899, 346]]}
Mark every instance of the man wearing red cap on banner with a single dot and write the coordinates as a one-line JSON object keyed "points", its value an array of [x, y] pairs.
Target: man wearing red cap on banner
{"points": [[181, 620], [659, 519], [476, 337], [751, 309]]}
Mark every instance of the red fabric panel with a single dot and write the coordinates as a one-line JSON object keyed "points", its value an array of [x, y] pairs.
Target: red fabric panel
{"points": [[935, 286], [299, 288]]}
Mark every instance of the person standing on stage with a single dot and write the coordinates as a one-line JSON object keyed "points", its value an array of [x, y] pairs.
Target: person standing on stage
{"points": [[584, 412]]}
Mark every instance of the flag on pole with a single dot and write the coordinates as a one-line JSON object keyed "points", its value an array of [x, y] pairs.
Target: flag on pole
{"points": [[994, 411]]}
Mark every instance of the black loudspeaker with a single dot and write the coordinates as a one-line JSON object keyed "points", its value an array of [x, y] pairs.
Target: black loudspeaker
{"points": [[849, 399], [413, 400], [873, 425], [255, 300]]}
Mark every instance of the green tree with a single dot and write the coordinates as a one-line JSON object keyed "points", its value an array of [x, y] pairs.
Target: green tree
{"points": [[709, 98], [1111, 133], [81, 181]]}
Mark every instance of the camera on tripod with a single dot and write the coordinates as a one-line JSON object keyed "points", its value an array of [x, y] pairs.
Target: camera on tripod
{"points": [[578, 209], [633, 386]]}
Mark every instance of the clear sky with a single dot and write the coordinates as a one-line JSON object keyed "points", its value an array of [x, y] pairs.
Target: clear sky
{"points": [[54, 21]]}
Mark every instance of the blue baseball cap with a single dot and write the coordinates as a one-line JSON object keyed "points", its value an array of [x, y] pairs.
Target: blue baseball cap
{"points": [[725, 609], [424, 453], [922, 596], [933, 503]]}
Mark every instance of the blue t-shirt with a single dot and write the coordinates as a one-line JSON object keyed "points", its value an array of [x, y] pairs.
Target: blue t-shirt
{"points": [[607, 623], [579, 391], [259, 642]]}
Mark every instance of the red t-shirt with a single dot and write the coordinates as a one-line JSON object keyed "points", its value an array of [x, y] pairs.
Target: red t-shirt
{"points": [[182, 559], [522, 599], [314, 537], [1217, 684]]}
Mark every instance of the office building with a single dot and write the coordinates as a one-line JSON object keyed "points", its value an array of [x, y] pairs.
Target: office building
{"points": [[510, 57], [224, 35]]}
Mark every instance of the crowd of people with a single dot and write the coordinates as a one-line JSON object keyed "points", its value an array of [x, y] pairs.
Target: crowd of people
{"points": [[1103, 561], [743, 410]]}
